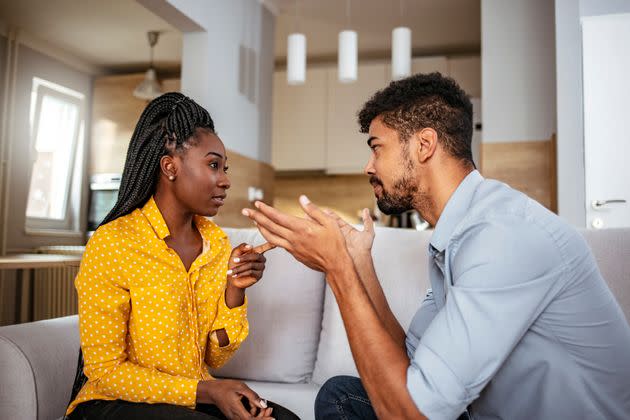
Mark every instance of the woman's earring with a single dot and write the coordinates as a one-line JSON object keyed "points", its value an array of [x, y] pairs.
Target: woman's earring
{"points": [[171, 178]]}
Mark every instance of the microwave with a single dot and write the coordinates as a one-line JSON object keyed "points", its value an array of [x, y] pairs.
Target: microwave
{"points": [[103, 195]]}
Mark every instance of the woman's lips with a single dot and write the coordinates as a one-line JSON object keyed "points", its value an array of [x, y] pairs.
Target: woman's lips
{"points": [[218, 200]]}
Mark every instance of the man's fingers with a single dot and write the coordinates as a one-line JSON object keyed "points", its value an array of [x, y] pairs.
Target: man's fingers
{"points": [[261, 249], [278, 217], [313, 211], [368, 223], [262, 220], [274, 239]]}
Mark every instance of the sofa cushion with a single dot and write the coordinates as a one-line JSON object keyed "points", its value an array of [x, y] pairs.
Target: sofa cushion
{"points": [[611, 248], [400, 259], [37, 367], [285, 314]]}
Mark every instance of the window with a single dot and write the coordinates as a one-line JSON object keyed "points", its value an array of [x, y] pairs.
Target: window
{"points": [[57, 131]]}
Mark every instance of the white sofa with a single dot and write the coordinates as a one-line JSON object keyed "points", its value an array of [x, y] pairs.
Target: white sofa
{"points": [[297, 339]]}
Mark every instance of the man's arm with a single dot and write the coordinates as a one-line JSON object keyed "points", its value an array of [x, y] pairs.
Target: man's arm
{"points": [[359, 245], [319, 243]]}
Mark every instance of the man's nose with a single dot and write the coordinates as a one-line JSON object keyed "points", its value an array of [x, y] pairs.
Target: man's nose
{"points": [[369, 166]]}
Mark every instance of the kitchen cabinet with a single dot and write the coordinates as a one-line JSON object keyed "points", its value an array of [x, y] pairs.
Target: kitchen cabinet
{"points": [[346, 147], [299, 122]]}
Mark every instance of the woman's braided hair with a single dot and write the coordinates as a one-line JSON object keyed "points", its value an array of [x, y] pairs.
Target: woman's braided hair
{"points": [[167, 125]]}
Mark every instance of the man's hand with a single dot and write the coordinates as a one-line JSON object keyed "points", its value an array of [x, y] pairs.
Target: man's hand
{"points": [[228, 395], [358, 242], [317, 241]]}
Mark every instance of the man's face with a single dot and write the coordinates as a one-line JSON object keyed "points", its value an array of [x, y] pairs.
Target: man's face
{"points": [[391, 169]]}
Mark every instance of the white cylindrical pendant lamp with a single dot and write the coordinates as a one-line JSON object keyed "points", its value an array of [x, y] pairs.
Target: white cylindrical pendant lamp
{"points": [[347, 56], [296, 59], [401, 53]]}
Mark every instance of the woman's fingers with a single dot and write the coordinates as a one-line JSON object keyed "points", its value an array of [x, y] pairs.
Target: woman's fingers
{"points": [[256, 266]]}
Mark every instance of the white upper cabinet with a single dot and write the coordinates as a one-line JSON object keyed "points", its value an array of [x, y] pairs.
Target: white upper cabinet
{"points": [[315, 125], [299, 122], [346, 147]]}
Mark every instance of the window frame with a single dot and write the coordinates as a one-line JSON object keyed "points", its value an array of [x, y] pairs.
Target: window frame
{"points": [[69, 224]]}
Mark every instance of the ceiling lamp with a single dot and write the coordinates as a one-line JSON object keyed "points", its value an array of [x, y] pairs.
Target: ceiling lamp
{"points": [[296, 54], [149, 88], [347, 59], [401, 50]]}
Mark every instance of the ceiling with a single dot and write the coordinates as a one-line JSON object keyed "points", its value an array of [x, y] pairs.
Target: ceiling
{"points": [[111, 34], [438, 26]]}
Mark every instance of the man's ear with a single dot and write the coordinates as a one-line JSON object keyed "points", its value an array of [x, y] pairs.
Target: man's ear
{"points": [[168, 166], [426, 141]]}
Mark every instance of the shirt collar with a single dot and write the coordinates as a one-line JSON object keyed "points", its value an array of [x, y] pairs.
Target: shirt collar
{"points": [[155, 218], [207, 228], [455, 210]]}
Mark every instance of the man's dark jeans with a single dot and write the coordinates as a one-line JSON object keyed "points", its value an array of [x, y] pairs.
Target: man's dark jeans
{"points": [[344, 398]]}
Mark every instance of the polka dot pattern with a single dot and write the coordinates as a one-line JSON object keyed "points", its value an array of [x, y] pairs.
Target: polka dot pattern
{"points": [[144, 320]]}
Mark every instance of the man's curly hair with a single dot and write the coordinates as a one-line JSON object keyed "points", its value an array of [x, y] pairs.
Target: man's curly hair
{"points": [[421, 101]]}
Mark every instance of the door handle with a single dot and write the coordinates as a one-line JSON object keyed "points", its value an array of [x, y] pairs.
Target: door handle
{"points": [[598, 204]]}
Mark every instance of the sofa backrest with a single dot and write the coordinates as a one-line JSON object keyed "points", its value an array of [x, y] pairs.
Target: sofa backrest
{"points": [[611, 248], [37, 366], [285, 317], [401, 258]]}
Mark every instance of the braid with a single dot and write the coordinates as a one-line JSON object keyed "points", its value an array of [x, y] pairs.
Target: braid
{"points": [[167, 124]]}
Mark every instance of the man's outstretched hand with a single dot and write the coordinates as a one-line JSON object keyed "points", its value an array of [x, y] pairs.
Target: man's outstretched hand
{"points": [[316, 241]]}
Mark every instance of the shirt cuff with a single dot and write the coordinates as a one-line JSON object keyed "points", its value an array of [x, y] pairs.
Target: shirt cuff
{"points": [[186, 391], [230, 319], [434, 388]]}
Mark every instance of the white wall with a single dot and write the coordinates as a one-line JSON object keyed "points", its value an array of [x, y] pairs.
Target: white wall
{"points": [[228, 68], [518, 70], [570, 121]]}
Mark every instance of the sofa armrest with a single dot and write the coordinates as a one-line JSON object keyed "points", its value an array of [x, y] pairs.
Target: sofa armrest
{"points": [[37, 367]]}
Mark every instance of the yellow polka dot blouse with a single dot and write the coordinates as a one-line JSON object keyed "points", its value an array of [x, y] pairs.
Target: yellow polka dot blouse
{"points": [[144, 321]]}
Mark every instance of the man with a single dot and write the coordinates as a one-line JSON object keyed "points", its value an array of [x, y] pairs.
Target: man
{"points": [[518, 324]]}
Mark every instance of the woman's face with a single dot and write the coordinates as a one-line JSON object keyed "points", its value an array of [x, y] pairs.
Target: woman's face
{"points": [[202, 182]]}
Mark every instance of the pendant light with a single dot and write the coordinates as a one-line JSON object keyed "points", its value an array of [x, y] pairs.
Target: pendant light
{"points": [[149, 88], [348, 57], [401, 50], [296, 55]]}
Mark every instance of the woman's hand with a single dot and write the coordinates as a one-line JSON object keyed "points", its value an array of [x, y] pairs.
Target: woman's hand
{"points": [[228, 395], [246, 266]]}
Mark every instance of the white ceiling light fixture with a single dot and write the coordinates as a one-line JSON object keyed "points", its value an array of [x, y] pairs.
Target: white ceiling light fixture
{"points": [[401, 50], [348, 52], [149, 88], [296, 55]]}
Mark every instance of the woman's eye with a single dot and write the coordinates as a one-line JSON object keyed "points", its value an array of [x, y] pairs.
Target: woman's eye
{"points": [[225, 169], [214, 165]]}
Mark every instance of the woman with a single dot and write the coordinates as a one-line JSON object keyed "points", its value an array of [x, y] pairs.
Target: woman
{"points": [[161, 292]]}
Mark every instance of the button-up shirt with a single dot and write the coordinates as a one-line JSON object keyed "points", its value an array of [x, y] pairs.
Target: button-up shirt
{"points": [[519, 323], [144, 319]]}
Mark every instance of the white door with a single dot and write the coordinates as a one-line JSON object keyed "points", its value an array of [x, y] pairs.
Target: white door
{"points": [[606, 72]]}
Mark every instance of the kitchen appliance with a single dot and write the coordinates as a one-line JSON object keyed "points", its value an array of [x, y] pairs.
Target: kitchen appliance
{"points": [[103, 196]]}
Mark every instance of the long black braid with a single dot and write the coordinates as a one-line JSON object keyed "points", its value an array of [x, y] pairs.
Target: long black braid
{"points": [[167, 125]]}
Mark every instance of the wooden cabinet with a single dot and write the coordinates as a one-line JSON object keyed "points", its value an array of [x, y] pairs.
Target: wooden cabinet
{"points": [[298, 126], [467, 72], [346, 147]]}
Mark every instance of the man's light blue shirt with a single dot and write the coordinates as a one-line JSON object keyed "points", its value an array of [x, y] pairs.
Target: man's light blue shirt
{"points": [[519, 323]]}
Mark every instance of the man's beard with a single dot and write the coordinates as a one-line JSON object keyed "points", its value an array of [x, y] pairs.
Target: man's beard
{"points": [[400, 199]]}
